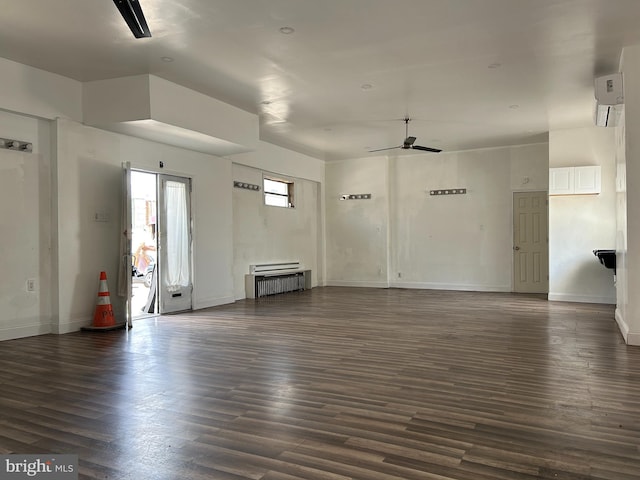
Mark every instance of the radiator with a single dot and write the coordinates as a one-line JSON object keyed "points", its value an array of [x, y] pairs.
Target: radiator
{"points": [[272, 285], [275, 278]]}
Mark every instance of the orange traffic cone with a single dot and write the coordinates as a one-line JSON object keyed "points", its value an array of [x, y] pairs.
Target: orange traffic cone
{"points": [[103, 318]]}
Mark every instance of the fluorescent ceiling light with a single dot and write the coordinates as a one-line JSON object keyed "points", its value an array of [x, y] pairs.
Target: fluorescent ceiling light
{"points": [[132, 13]]}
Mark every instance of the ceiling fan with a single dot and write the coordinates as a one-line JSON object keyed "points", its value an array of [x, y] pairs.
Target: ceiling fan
{"points": [[408, 142]]}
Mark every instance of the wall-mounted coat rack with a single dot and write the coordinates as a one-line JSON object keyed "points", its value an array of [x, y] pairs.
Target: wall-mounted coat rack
{"points": [[19, 145], [449, 191], [355, 196], [246, 186]]}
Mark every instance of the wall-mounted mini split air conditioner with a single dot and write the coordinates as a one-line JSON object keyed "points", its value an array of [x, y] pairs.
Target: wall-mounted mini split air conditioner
{"points": [[609, 92]]}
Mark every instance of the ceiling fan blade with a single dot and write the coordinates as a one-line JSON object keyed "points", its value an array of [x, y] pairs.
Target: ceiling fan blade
{"points": [[409, 141], [389, 148], [426, 149]]}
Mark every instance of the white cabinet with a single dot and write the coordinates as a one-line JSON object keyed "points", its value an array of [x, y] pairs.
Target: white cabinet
{"points": [[586, 180], [574, 180], [561, 181]]}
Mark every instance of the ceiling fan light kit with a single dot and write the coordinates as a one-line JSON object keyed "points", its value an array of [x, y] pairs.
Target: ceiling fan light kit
{"points": [[409, 142], [132, 13]]}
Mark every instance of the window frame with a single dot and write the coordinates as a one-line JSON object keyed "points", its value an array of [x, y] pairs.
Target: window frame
{"points": [[267, 192]]}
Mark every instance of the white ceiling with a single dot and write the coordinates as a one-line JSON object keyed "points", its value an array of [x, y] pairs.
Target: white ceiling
{"points": [[470, 73]]}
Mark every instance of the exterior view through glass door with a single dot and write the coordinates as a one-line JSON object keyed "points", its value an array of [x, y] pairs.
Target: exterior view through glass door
{"points": [[144, 298], [160, 244]]}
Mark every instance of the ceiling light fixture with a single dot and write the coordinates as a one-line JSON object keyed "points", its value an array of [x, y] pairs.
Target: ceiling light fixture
{"points": [[166, 59], [131, 11], [287, 30], [366, 86], [514, 106]]}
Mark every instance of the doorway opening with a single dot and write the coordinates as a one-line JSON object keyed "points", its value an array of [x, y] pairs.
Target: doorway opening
{"points": [[144, 244], [160, 226]]}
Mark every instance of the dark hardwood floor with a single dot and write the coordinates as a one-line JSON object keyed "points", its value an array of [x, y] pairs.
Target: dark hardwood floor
{"points": [[334, 384]]}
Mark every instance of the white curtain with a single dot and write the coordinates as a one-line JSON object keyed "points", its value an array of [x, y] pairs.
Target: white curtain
{"points": [[176, 273]]}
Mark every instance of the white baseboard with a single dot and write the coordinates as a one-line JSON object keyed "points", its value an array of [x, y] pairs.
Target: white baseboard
{"points": [[72, 326], [451, 286], [633, 339], [630, 338], [31, 330], [622, 325], [421, 286], [566, 297], [212, 302], [365, 284]]}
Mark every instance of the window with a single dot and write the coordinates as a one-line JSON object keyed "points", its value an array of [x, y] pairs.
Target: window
{"points": [[278, 193]]}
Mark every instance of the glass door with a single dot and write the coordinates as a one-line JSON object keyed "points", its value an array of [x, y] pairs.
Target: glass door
{"points": [[174, 244]]}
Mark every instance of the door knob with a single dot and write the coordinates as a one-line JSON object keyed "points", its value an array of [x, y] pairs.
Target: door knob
{"points": [[516, 248]]}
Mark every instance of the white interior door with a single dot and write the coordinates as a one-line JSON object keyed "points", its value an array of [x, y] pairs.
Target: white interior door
{"points": [[530, 242], [174, 243]]}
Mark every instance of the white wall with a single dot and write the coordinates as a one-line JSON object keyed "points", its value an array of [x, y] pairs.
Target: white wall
{"points": [[35, 92], [302, 229], [27, 194], [25, 229], [628, 201], [461, 242], [357, 230], [578, 224], [412, 240], [622, 280], [89, 180], [265, 234], [150, 107], [276, 159]]}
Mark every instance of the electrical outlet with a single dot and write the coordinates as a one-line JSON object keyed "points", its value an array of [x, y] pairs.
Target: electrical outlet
{"points": [[103, 217], [399, 274], [31, 285]]}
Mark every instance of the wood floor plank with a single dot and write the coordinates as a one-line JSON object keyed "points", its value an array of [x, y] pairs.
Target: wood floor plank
{"points": [[336, 384]]}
